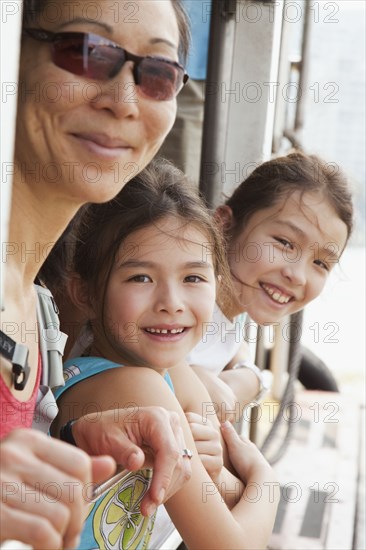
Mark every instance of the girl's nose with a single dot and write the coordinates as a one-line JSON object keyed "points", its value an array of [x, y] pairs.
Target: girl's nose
{"points": [[295, 272], [169, 299]]}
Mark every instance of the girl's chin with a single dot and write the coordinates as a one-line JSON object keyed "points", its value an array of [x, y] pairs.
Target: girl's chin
{"points": [[264, 318]]}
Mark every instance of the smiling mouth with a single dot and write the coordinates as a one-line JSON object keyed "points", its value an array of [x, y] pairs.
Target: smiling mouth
{"points": [[102, 146], [276, 295], [165, 330], [103, 140]]}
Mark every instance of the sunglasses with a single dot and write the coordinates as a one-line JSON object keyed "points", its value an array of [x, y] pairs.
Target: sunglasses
{"points": [[95, 57]]}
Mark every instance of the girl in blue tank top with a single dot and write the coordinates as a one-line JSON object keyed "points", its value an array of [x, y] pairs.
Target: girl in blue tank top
{"points": [[147, 270]]}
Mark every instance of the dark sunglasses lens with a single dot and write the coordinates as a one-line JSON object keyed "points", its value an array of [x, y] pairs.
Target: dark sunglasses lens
{"points": [[81, 54], [78, 55], [159, 79]]}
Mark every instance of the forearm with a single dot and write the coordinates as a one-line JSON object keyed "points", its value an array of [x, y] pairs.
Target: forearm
{"points": [[259, 500], [243, 382], [258, 506], [244, 378], [203, 374], [230, 487], [242, 354]]}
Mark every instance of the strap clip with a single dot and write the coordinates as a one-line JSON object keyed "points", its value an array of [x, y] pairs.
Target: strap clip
{"points": [[18, 355]]}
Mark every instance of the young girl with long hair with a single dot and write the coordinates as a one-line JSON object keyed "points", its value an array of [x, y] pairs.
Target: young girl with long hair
{"points": [[148, 267], [285, 228]]}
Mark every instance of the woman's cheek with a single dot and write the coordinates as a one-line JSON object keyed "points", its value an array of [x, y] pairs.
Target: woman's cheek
{"points": [[162, 118]]}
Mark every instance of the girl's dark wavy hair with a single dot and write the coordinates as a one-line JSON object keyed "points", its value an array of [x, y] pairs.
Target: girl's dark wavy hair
{"points": [[276, 179], [158, 191], [32, 9]]}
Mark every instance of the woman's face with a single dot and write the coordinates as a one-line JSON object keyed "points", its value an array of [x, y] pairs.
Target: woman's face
{"points": [[86, 138]]}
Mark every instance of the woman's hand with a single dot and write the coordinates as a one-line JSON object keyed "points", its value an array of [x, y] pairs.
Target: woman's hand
{"points": [[207, 440], [136, 437], [44, 489]]}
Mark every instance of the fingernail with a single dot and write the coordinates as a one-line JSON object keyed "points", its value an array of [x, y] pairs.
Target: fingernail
{"points": [[133, 461], [151, 509], [226, 424], [161, 496]]}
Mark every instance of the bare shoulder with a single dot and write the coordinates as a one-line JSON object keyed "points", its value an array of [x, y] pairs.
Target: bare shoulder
{"points": [[113, 389]]}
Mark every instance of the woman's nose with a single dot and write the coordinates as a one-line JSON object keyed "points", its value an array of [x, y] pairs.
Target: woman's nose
{"points": [[118, 95]]}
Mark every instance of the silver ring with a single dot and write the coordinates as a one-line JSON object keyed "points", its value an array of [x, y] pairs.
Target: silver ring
{"points": [[186, 453]]}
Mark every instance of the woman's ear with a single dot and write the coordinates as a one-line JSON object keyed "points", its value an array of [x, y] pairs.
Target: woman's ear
{"points": [[79, 294], [224, 217]]}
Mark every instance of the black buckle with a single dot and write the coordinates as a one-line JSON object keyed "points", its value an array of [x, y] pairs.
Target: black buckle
{"points": [[18, 355]]}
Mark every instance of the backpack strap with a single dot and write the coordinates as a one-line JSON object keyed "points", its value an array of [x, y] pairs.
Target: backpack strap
{"points": [[51, 347], [51, 340]]}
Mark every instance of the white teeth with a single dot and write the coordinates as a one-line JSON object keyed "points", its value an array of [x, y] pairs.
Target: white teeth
{"points": [[164, 330], [276, 295]]}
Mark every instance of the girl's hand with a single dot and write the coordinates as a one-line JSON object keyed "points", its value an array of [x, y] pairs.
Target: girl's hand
{"points": [[244, 455], [207, 440]]}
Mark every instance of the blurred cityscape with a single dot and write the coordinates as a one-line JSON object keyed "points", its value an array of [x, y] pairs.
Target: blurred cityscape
{"points": [[335, 129], [336, 103]]}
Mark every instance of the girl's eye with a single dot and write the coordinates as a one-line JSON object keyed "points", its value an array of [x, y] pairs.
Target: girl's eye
{"points": [[140, 279], [284, 242], [193, 279], [321, 264]]}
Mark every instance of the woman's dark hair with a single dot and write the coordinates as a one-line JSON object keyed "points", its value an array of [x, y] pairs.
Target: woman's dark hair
{"points": [[184, 30], [160, 190], [272, 181], [32, 9]]}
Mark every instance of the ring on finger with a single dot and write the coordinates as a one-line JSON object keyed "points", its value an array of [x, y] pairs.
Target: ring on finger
{"points": [[186, 453]]}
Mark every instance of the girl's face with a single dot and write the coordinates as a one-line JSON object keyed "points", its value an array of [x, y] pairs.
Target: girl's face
{"points": [[86, 138], [282, 258], [160, 293]]}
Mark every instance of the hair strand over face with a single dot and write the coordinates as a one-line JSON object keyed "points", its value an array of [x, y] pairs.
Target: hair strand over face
{"points": [[276, 179]]}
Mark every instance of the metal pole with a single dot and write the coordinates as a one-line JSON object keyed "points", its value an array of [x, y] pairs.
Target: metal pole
{"points": [[11, 21], [299, 117], [219, 69]]}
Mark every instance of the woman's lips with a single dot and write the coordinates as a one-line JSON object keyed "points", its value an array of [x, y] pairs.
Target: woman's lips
{"points": [[102, 145]]}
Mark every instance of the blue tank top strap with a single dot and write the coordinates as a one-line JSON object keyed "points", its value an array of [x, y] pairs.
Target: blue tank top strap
{"points": [[80, 368], [169, 381]]}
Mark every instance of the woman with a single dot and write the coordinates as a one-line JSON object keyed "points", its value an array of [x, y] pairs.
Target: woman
{"points": [[90, 115]]}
